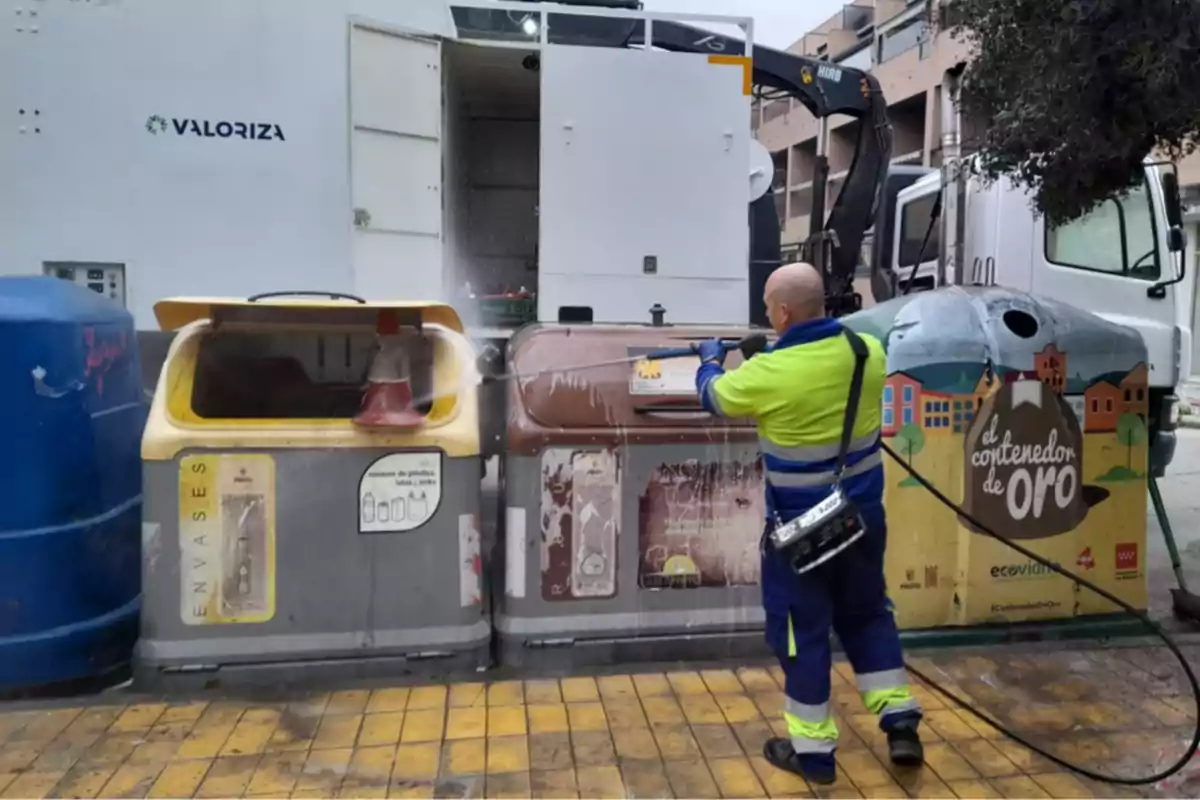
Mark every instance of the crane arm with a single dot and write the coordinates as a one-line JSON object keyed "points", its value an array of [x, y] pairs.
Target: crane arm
{"points": [[824, 89]]}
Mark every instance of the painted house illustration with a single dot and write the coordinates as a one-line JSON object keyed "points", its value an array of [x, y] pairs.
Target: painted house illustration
{"points": [[901, 402], [936, 411], [966, 407], [1050, 365], [1102, 406], [1135, 388], [1098, 405]]}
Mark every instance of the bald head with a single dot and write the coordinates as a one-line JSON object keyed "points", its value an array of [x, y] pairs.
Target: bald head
{"points": [[794, 293]]}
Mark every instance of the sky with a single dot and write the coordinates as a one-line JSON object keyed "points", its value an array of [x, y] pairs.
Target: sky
{"points": [[777, 23]]}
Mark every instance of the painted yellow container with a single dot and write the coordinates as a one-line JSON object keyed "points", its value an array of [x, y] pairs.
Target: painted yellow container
{"points": [[278, 530], [1032, 415]]}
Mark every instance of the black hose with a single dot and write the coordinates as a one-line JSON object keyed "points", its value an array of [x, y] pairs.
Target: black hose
{"points": [[1126, 607]]}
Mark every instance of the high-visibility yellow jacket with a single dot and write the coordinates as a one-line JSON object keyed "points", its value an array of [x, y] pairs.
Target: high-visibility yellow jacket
{"points": [[797, 392]]}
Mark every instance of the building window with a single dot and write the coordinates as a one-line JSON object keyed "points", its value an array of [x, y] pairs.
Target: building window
{"points": [[908, 394], [1095, 406], [902, 39], [857, 60], [1117, 237], [888, 417], [1128, 395], [1141, 395], [907, 415], [1108, 405], [887, 395]]}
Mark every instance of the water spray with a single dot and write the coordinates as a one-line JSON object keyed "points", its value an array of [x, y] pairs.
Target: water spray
{"points": [[749, 346]]}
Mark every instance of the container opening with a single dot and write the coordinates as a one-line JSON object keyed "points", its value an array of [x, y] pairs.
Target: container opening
{"points": [[1021, 323], [297, 374]]}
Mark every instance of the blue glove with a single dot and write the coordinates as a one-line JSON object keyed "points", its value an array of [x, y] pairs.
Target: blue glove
{"points": [[712, 350]]}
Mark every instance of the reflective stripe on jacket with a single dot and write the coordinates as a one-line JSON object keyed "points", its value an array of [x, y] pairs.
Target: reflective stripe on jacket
{"points": [[797, 392]]}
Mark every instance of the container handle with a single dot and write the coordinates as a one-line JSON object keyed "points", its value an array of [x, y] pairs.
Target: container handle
{"points": [[665, 408], [307, 293]]}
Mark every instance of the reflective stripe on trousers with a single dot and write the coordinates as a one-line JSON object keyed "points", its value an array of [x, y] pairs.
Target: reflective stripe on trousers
{"points": [[885, 693], [811, 728]]}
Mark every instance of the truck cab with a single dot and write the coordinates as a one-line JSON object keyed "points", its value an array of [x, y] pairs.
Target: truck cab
{"points": [[1122, 261]]}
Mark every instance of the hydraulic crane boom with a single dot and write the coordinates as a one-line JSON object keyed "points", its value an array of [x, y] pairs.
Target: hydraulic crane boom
{"points": [[835, 242]]}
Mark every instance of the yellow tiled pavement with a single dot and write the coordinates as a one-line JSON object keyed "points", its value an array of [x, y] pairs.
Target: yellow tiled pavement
{"points": [[676, 734]]}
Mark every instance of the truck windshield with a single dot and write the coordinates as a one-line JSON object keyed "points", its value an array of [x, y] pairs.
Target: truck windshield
{"points": [[1118, 237]]}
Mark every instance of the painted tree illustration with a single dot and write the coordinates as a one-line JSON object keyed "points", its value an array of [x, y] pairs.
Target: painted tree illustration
{"points": [[910, 440], [1131, 430]]}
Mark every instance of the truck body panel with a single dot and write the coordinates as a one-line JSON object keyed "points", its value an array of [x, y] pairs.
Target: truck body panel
{"points": [[375, 148]]}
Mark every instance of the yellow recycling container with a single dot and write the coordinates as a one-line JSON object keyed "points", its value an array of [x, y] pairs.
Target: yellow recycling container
{"points": [[311, 490], [1032, 415]]}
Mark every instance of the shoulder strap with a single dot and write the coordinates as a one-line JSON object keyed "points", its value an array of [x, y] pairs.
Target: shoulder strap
{"points": [[860, 362]]}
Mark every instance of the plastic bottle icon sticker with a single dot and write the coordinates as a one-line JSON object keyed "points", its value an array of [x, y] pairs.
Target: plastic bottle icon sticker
{"points": [[418, 506], [400, 492]]}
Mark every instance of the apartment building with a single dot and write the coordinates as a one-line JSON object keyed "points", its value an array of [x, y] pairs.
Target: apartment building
{"points": [[892, 38]]}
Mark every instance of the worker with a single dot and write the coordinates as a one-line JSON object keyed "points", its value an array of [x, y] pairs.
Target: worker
{"points": [[797, 391]]}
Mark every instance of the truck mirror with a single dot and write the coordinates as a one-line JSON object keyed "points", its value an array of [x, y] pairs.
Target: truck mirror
{"points": [[1174, 210]]}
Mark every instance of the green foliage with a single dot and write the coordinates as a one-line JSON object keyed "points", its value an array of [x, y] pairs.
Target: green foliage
{"points": [[1072, 95], [910, 440]]}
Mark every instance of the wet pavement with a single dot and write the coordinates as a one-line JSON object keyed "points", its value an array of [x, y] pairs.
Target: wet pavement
{"points": [[1181, 495], [678, 732], [682, 733]]}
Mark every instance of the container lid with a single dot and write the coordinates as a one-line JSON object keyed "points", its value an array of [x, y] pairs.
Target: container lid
{"points": [[596, 376], [27, 299], [175, 313]]}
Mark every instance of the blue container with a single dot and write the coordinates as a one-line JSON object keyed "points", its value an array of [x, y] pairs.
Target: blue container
{"points": [[71, 419]]}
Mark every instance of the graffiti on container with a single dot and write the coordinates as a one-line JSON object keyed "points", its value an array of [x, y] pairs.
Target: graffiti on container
{"points": [[102, 352], [1024, 464], [699, 525], [470, 561], [581, 512]]}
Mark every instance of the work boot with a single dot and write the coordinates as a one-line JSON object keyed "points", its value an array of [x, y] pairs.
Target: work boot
{"points": [[818, 768], [904, 745]]}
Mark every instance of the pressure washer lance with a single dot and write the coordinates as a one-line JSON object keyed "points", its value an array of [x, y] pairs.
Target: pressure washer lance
{"points": [[749, 346]]}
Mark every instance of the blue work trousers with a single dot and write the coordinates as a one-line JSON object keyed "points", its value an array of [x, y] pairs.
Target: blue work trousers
{"points": [[848, 595]]}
